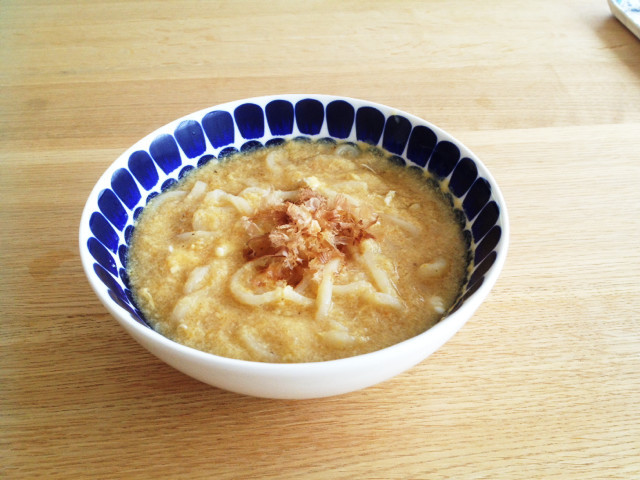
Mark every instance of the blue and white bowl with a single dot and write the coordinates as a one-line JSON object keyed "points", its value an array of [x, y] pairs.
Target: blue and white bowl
{"points": [[160, 159]]}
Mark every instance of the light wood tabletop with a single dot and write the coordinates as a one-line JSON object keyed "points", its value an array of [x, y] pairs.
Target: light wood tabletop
{"points": [[544, 380]]}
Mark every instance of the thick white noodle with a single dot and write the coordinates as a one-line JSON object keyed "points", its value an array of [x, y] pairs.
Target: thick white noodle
{"points": [[304, 283], [197, 192], [388, 198], [367, 290], [332, 194], [353, 185], [284, 194], [196, 279], [288, 293], [339, 335], [186, 303], [257, 191], [222, 250], [146, 295], [255, 195], [386, 293], [218, 196], [274, 160], [325, 289], [244, 295], [380, 277], [256, 346], [388, 300], [400, 222], [269, 197], [318, 186], [437, 303], [432, 269], [353, 287]]}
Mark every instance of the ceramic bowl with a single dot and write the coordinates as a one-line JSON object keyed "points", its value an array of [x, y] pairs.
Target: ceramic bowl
{"points": [[160, 159]]}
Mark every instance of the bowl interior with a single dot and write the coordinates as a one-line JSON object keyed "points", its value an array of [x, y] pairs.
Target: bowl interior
{"points": [[159, 160]]}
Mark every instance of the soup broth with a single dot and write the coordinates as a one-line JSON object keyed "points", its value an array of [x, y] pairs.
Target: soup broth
{"points": [[307, 251]]}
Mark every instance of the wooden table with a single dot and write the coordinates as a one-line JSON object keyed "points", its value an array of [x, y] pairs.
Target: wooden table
{"points": [[543, 382]]}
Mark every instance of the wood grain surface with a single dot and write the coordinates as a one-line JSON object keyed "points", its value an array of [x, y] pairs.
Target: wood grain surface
{"points": [[543, 382]]}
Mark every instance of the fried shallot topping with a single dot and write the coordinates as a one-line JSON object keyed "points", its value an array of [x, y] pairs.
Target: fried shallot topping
{"points": [[297, 238]]}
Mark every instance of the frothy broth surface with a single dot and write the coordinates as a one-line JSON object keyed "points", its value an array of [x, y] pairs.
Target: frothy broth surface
{"points": [[308, 251]]}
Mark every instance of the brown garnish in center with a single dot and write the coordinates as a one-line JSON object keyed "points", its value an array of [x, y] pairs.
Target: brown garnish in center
{"points": [[297, 238]]}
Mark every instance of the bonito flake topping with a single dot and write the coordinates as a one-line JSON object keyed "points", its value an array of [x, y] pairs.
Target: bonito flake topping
{"points": [[299, 237]]}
